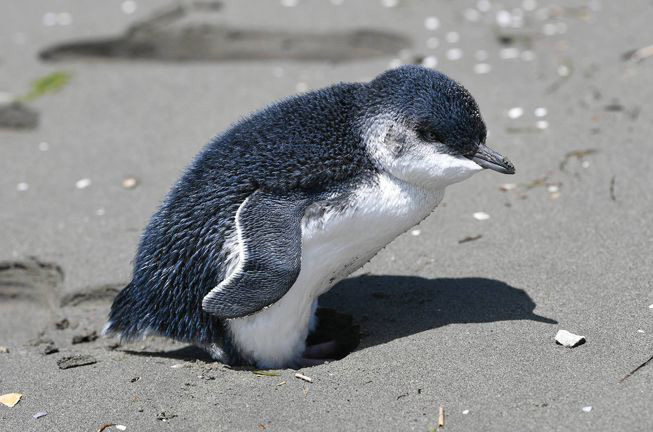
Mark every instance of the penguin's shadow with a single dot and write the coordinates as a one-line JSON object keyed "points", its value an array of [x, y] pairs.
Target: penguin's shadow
{"points": [[391, 307]]}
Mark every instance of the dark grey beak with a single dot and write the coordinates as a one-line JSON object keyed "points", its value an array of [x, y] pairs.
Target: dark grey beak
{"points": [[488, 158]]}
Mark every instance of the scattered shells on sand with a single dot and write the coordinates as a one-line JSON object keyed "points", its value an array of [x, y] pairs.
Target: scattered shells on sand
{"points": [[452, 37], [128, 7], [540, 112], [390, 3], [568, 339], [83, 183], [289, 3], [508, 53], [10, 399], [431, 23], [303, 377], [542, 124], [454, 54], [481, 216], [129, 182], [515, 112], [482, 68], [430, 61], [508, 187]]}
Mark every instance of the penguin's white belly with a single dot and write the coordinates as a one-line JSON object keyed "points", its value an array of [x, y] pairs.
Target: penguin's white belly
{"points": [[333, 246]]}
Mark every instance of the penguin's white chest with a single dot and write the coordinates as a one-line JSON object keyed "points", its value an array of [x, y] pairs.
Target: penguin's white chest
{"points": [[338, 242]]}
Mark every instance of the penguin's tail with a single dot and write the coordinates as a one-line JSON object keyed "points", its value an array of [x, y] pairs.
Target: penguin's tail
{"points": [[124, 320]]}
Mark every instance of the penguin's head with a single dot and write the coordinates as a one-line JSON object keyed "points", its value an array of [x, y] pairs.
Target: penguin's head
{"points": [[426, 129]]}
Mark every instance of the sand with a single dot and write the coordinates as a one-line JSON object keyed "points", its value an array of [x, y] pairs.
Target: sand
{"points": [[467, 325]]}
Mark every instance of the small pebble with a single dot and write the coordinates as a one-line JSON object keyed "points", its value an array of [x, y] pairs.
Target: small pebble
{"points": [[554, 195], [22, 187], [587, 408], [481, 216], [515, 113], [455, 54], [121, 427], [44, 146], [482, 68], [4, 350], [466, 412], [650, 306], [431, 23], [83, 183], [39, 414], [416, 232], [585, 164], [553, 188], [640, 331]]}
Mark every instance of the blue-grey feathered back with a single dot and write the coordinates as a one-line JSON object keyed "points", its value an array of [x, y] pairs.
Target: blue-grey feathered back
{"points": [[310, 142]]}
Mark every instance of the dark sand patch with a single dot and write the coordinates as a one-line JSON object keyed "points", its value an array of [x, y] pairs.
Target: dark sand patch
{"points": [[189, 33]]}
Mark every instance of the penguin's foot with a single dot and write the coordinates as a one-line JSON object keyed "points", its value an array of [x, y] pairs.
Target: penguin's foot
{"points": [[336, 336], [322, 350]]}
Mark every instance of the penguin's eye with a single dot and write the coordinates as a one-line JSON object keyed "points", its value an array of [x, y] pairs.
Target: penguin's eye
{"points": [[430, 135]]}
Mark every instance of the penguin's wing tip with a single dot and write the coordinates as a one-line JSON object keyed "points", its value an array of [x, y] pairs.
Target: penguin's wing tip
{"points": [[269, 237]]}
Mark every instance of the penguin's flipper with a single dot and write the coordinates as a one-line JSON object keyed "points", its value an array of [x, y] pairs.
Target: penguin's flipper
{"points": [[270, 240]]}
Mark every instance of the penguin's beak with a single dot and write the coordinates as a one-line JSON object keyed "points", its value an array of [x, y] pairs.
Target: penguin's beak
{"points": [[488, 158]]}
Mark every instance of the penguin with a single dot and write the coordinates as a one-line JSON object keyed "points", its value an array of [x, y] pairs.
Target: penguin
{"points": [[290, 200]]}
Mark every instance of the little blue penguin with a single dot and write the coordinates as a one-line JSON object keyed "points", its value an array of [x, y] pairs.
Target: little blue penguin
{"points": [[290, 200]]}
